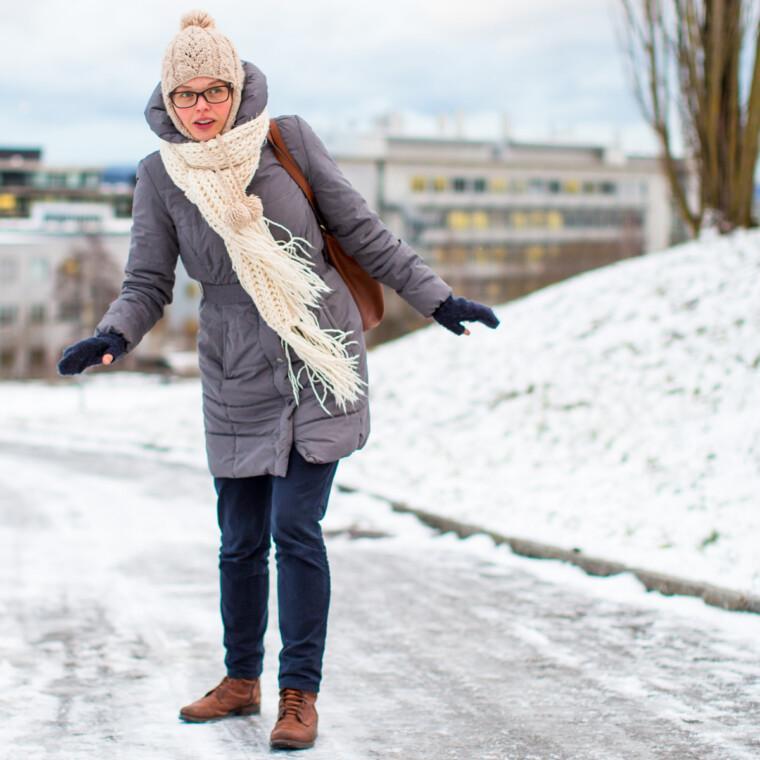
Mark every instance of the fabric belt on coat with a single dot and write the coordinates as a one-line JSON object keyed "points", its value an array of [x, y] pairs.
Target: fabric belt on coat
{"points": [[232, 292]]}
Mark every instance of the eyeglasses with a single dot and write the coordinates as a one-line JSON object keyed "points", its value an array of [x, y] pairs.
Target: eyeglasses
{"points": [[188, 98]]}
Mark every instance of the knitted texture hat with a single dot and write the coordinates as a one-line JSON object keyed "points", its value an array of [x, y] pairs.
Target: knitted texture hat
{"points": [[200, 50]]}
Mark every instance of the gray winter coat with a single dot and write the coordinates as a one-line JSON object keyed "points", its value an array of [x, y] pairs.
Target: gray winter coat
{"points": [[251, 418]]}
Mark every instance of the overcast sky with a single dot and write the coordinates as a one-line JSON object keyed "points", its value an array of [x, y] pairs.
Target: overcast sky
{"points": [[76, 75]]}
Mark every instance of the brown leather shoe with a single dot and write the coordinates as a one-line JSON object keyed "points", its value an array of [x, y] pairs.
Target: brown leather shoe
{"points": [[296, 726], [233, 696]]}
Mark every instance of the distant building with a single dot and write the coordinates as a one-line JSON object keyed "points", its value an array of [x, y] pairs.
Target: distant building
{"points": [[25, 179], [498, 219], [64, 242], [56, 269]]}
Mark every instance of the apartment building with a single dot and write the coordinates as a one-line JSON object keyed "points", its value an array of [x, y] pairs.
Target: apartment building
{"points": [[64, 242], [499, 218]]}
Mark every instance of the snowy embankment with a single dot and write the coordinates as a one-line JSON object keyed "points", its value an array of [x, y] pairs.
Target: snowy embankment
{"points": [[616, 412]]}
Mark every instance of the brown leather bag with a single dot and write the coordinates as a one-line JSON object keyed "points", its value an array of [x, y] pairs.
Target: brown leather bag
{"points": [[367, 292]]}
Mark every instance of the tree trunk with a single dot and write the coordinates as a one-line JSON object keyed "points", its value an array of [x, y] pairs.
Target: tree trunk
{"points": [[702, 40]]}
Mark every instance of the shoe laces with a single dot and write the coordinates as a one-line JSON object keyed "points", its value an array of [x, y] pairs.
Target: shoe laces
{"points": [[291, 702]]}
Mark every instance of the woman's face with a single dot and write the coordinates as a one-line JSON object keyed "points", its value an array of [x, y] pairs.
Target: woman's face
{"points": [[204, 120]]}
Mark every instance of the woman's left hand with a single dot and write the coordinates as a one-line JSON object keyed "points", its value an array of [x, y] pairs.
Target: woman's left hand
{"points": [[453, 310]]}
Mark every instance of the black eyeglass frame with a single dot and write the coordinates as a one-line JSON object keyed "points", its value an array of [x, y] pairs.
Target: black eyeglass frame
{"points": [[228, 87]]}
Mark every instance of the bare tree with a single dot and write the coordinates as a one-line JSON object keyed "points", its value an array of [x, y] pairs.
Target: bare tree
{"points": [[701, 44], [87, 281]]}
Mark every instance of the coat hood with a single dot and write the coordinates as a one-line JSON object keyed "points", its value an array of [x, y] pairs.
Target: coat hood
{"points": [[253, 101]]}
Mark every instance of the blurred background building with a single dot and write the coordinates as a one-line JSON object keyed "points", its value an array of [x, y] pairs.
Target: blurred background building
{"points": [[496, 218]]}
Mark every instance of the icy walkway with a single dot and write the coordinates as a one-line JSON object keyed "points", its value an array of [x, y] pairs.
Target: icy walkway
{"points": [[437, 648]]}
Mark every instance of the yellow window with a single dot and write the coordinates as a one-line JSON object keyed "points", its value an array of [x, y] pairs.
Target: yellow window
{"points": [[7, 202], [554, 220], [417, 184], [458, 220], [498, 184], [519, 219], [534, 253], [537, 219], [439, 184], [480, 220], [70, 267], [572, 186]]}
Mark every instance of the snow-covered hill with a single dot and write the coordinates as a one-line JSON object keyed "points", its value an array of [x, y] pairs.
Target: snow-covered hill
{"points": [[617, 412]]}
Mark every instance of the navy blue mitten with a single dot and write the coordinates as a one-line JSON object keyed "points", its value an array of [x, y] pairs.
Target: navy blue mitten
{"points": [[85, 353], [453, 310]]}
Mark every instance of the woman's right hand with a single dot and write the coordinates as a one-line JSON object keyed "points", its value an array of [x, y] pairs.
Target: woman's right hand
{"points": [[101, 349]]}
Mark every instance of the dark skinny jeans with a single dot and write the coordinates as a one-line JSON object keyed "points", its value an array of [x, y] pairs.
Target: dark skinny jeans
{"points": [[290, 509]]}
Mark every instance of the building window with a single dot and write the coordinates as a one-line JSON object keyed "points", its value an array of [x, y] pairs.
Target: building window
{"points": [[554, 220], [608, 188], [417, 184], [519, 220], [37, 313], [498, 185], [519, 185], [70, 267], [7, 202], [537, 218], [37, 357], [458, 220], [536, 186], [69, 311], [479, 185], [39, 269], [8, 269], [8, 314], [480, 220], [572, 186], [56, 180], [588, 187], [9, 179], [553, 185], [534, 254], [460, 184], [439, 184], [7, 358]]}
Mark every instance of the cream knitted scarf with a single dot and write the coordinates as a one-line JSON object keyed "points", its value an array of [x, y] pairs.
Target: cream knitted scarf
{"points": [[214, 174]]}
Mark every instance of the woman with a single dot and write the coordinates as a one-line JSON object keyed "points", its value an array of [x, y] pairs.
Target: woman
{"points": [[272, 308]]}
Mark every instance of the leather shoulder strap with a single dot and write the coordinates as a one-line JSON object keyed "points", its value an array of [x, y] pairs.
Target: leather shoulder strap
{"points": [[289, 163]]}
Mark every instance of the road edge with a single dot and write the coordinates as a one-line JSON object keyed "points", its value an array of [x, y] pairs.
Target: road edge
{"points": [[669, 585]]}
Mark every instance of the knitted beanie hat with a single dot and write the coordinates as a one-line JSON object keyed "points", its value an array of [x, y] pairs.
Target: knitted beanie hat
{"points": [[200, 50]]}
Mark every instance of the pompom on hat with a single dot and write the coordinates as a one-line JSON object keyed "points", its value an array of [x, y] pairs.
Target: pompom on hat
{"points": [[199, 49]]}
